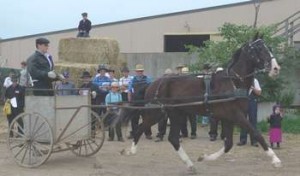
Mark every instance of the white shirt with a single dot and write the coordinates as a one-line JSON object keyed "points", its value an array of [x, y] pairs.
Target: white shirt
{"points": [[255, 85], [7, 82], [125, 81], [50, 63]]}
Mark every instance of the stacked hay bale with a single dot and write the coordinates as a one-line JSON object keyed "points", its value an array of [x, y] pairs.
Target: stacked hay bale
{"points": [[85, 54]]}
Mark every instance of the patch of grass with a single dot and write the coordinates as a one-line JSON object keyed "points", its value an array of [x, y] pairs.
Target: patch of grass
{"points": [[290, 124]]}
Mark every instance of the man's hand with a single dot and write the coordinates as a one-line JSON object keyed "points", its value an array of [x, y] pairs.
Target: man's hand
{"points": [[52, 74], [61, 77], [94, 94]]}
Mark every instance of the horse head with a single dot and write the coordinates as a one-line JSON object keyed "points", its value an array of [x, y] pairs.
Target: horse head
{"points": [[261, 56]]}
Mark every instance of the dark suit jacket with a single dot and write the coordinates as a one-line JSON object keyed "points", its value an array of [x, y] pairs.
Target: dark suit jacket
{"points": [[18, 92], [85, 25], [38, 67]]}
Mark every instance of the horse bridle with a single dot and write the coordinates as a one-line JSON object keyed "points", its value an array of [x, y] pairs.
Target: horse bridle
{"points": [[252, 48]]}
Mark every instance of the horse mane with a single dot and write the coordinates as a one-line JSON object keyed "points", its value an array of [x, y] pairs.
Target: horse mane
{"points": [[235, 58]]}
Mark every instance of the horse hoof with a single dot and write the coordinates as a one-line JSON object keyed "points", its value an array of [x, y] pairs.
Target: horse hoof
{"points": [[201, 158], [192, 170], [126, 152], [122, 152], [277, 164]]}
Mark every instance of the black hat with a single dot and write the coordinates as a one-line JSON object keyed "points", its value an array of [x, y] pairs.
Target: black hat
{"points": [[102, 67], [86, 74], [111, 70], [84, 14], [41, 41], [206, 66], [125, 69]]}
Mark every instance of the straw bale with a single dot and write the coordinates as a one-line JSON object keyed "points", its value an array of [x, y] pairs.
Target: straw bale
{"points": [[89, 50], [75, 70]]}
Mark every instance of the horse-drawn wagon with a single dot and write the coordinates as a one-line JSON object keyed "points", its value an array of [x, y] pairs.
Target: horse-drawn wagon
{"points": [[53, 124]]}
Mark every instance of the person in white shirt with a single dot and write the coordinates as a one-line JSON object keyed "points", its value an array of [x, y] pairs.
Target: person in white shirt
{"points": [[25, 78], [7, 81], [254, 92], [124, 82]]}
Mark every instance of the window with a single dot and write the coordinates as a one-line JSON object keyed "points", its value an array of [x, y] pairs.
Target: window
{"points": [[176, 43]]}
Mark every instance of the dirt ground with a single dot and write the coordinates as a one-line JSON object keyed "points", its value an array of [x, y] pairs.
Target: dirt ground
{"points": [[160, 159]]}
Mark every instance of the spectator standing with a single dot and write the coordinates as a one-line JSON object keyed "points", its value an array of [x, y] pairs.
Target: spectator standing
{"points": [[84, 27], [275, 133], [179, 68], [66, 87], [162, 124], [7, 81], [124, 82], [25, 78], [254, 92], [40, 66], [136, 93], [16, 94], [112, 77], [112, 97], [103, 83], [189, 117], [213, 131]]}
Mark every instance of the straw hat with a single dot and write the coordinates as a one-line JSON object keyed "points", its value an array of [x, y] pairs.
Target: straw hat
{"points": [[168, 71], [219, 69], [181, 65], [185, 70], [139, 67]]}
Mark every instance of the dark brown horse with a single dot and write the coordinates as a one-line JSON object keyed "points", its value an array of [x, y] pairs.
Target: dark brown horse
{"points": [[175, 96]]}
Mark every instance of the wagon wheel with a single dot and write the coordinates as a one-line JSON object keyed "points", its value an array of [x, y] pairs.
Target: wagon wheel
{"points": [[30, 139], [93, 144]]}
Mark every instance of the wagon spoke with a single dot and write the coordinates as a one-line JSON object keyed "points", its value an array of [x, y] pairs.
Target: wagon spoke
{"points": [[85, 146], [35, 132], [40, 145], [90, 145], [41, 134], [22, 161], [18, 133], [20, 128], [34, 125], [80, 148], [17, 145], [21, 149]]}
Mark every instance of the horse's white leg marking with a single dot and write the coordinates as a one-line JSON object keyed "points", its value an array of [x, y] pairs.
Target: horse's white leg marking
{"points": [[214, 156], [185, 158], [131, 151], [275, 160], [133, 148]]}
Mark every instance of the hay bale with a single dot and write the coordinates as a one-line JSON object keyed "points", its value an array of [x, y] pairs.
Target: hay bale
{"points": [[75, 70], [89, 50]]}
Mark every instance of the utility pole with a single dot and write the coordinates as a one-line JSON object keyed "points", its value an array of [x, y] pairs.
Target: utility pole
{"points": [[256, 6]]}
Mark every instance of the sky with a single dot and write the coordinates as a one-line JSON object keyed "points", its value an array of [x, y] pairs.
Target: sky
{"points": [[27, 17]]}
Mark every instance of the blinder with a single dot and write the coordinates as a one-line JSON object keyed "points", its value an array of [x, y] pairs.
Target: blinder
{"points": [[255, 50]]}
